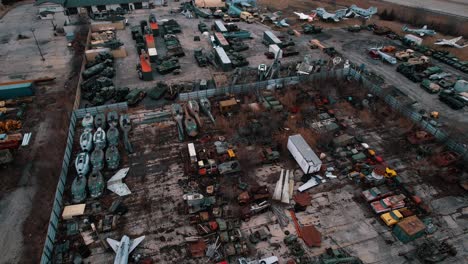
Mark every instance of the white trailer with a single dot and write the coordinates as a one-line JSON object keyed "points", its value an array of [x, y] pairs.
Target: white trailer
{"points": [[303, 154], [275, 49], [192, 153]]}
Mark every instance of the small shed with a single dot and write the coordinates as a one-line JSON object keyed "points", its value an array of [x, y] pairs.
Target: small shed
{"points": [[409, 229]]}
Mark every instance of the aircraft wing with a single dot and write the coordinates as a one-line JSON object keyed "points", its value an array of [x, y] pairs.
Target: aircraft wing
{"points": [[301, 15], [116, 185], [135, 242], [114, 244], [309, 184], [340, 13]]}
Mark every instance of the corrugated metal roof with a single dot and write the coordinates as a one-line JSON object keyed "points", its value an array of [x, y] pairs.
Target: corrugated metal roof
{"points": [[306, 151], [220, 26], [222, 55], [273, 37]]}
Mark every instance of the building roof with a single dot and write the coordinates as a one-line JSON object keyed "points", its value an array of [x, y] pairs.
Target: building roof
{"points": [[412, 225], [82, 3]]}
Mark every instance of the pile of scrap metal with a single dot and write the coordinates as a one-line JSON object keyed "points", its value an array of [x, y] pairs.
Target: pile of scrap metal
{"points": [[434, 251], [97, 86], [105, 39], [173, 46]]}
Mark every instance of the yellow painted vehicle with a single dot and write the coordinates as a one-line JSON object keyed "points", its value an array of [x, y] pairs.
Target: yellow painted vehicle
{"points": [[391, 218], [390, 173]]}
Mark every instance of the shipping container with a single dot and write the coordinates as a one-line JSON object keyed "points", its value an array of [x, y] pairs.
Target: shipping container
{"points": [[149, 39], [219, 25], [13, 91], [275, 49], [192, 153], [223, 58], [270, 38], [303, 154], [220, 40]]}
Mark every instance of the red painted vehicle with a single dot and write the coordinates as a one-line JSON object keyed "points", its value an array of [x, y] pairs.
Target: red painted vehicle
{"points": [[388, 204]]}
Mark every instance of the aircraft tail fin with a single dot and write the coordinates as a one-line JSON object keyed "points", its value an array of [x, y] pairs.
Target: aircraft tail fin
{"points": [[113, 243], [425, 27], [135, 242], [404, 28]]}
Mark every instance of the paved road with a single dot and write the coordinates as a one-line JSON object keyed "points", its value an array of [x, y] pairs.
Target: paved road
{"points": [[455, 7]]}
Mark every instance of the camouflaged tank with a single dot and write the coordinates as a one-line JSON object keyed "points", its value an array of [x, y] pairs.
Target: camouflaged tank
{"points": [[113, 136], [112, 157], [78, 189], [95, 184], [97, 159]]}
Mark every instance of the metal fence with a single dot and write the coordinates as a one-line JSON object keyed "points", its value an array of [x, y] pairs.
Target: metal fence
{"points": [[47, 252], [252, 87]]}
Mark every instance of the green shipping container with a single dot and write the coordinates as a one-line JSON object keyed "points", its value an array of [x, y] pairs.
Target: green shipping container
{"points": [[13, 91]]}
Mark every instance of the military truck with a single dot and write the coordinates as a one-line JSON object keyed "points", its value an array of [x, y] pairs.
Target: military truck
{"points": [[168, 66], [135, 96], [311, 29], [429, 86], [201, 59], [202, 27], [448, 97]]}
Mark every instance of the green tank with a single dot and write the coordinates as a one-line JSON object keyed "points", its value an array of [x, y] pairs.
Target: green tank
{"points": [[112, 118], [125, 123], [113, 136], [100, 120], [112, 157], [95, 184], [97, 159], [94, 70], [78, 189]]}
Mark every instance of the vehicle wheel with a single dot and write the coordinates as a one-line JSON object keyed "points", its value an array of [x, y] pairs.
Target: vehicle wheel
{"points": [[262, 262]]}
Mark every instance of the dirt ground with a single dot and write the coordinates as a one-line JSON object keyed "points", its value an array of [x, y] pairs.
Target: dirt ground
{"points": [[159, 177]]}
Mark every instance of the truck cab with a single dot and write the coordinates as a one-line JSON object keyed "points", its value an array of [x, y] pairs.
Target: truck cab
{"points": [[391, 218], [247, 17]]}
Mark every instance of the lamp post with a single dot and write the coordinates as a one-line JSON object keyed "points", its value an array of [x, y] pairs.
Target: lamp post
{"points": [[37, 44]]}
